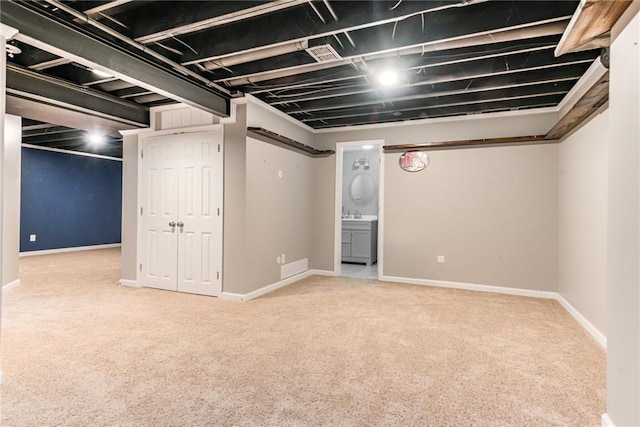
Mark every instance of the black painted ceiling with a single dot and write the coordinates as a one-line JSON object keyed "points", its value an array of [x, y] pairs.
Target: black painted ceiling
{"points": [[317, 61]]}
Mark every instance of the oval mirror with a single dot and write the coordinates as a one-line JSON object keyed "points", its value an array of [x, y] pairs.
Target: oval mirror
{"points": [[362, 188]]}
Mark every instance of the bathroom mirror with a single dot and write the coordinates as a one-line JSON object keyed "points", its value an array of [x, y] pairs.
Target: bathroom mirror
{"points": [[362, 188]]}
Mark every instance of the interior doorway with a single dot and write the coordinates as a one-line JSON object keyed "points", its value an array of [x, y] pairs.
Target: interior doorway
{"points": [[359, 214]]}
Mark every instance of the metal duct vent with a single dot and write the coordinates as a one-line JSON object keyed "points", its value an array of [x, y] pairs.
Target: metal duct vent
{"points": [[323, 53]]}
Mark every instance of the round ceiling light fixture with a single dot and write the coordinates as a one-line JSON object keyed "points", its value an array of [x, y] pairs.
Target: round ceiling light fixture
{"points": [[95, 139], [388, 77], [13, 50]]}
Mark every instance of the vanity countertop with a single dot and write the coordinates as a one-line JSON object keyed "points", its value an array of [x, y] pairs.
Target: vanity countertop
{"points": [[363, 218]]}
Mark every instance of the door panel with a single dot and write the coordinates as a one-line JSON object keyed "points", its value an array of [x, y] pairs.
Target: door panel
{"points": [[199, 263]]}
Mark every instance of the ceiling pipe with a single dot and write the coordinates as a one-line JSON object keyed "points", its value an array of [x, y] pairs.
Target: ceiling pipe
{"points": [[181, 69], [540, 29], [255, 55]]}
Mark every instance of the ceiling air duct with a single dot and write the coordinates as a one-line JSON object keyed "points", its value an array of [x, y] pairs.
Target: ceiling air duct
{"points": [[323, 53]]}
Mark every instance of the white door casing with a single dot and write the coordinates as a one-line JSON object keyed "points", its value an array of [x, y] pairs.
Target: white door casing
{"points": [[191, 253]]}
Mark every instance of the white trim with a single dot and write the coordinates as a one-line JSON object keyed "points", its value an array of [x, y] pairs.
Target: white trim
{"points": [[72, 249], [77, 153], [279, 113], [174, 131], [588, 326], [11, 285], [2, 377], [472, 287], [130, 283], [337, 237], [607, 421], [230, 296], [7, 32], [595, 332]]}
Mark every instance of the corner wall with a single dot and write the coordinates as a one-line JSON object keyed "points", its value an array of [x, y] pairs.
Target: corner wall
{"points": [[582, 219], [623, 271], [11, 199], [129, 257]]}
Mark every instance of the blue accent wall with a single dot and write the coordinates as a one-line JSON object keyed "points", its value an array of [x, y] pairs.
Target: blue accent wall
{"points": [[69, 200]]}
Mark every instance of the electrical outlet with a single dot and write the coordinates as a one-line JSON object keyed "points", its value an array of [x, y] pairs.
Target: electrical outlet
{"points": [[32, 237], [278, 260], [284, 258], [441, 259]]}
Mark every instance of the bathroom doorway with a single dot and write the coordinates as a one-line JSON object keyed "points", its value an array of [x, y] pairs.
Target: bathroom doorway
{"points": [[359, 214]]}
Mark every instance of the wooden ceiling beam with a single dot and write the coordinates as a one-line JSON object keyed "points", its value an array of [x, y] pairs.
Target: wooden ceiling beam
{"points": [[590, 26]]}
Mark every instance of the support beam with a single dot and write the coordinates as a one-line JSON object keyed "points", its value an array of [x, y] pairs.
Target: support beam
{"points": [[66, 40], [590, 25], [28, 84]]}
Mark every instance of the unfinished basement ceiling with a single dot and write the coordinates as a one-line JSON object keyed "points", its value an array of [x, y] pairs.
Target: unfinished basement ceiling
{"points": [[317, 61]]}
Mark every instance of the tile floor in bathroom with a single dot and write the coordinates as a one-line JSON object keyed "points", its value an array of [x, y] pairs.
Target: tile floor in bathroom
{"points": [[359, 271]]}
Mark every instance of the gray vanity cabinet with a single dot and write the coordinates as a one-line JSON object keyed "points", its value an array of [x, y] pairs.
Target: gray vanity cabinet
{"points": [[360, 241]]}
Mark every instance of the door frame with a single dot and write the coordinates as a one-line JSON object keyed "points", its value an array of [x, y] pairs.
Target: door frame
{"points": [[337, 239], [139, 197]]}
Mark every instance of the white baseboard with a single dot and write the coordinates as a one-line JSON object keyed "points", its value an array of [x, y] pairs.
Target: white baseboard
{"points": [[588, 326], [595, 332], [130, 283], [230, 296], [74, 249], [11, 285], [606, 421], [472, 287]]}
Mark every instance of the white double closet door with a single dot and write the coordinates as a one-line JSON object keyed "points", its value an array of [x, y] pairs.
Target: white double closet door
{"points": [[180, 197]]}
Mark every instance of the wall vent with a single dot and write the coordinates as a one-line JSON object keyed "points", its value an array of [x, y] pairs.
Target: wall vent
{"points": [[323, 53]]}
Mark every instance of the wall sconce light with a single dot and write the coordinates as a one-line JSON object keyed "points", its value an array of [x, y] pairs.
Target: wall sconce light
{"points": [[361, 162]]}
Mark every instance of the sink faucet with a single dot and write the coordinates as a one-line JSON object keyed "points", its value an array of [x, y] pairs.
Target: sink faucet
{"points": [[357, 215]]}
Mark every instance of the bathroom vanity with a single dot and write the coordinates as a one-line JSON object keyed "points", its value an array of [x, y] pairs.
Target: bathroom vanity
{"points": [[360, 240]]}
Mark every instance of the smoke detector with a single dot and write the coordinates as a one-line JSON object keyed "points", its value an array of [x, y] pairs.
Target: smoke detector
{"points": [[323, 53], [13, 50]]}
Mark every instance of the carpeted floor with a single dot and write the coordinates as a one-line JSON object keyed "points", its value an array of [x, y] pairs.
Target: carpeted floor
{"points": [[78, 349]]}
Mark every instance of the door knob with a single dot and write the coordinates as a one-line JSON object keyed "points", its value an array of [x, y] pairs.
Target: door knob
{"points": [[172, 224], [180, 224]]}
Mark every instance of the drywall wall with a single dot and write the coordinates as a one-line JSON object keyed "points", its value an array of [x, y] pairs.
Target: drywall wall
{"points": [[515, 123], [492, 212], [323, 213], [235, 158], [351, 171], [129, 259], [278, 210], [582, 219], [262, 115], [11, 197], [623, 269], [69, 200]]}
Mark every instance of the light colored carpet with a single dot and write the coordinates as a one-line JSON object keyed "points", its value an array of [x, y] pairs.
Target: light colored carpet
{"points": [[80, 350]]}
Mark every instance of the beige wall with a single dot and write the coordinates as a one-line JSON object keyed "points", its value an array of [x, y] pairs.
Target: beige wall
{"points": [[323, 213], [446, 129], [582, 219], [234, 240], [623, 270], [278, 210], [11, 194], [492, 212], [129, 207]]}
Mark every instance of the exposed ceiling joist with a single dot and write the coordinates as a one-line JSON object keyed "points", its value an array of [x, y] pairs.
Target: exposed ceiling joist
{"points": [[54, 36]]}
